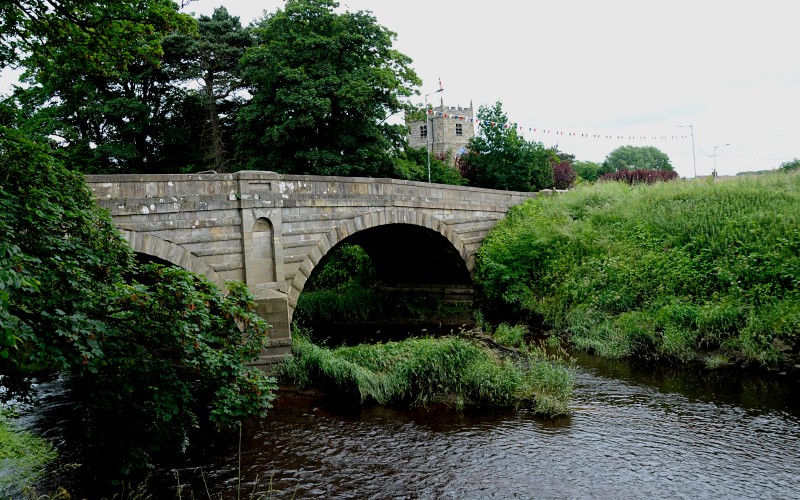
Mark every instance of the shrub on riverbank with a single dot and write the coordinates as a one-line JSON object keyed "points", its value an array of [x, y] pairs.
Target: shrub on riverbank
{"points": [[657, 271], [151, 352], [419, 371]]}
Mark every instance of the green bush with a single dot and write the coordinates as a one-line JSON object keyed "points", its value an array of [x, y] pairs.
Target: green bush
{"points": [[657, 271], [419, 371], [153, 352], [511, 336]]}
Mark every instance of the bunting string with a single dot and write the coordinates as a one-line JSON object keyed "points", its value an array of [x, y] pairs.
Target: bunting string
{"points": [[543, 131]]}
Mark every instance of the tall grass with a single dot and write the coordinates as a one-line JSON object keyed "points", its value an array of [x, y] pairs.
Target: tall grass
{"points": [[658, 271], [23, 457], [419, 371]]}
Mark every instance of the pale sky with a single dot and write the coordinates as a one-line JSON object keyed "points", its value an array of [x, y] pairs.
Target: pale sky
{"points": [[613, 67]]}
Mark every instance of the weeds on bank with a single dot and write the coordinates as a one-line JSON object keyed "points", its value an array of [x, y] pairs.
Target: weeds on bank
{"points": [[420, 371], [662, 271], [23, 457]]}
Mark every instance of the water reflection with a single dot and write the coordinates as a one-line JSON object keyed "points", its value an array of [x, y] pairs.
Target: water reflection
{"points": [[633, 433]]}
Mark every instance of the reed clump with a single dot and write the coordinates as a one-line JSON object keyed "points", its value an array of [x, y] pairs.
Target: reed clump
{"points": [[23, 457], [419, 371], [670, 270]]}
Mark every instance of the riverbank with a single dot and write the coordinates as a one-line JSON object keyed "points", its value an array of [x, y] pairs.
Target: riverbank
{"points": [[671, 271]]}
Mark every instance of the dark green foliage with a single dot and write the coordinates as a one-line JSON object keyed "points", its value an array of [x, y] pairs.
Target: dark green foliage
{"points": [[412, 164], [155, 351], [588, 171], [662, 270], [640, 176], [175, 354], [351, 303], [345, 288], [100, 37], [499, 158], [423, 370], [112, 102], [637, 158], [322, 84], [342, 267], [212, 57], [789, 166]]}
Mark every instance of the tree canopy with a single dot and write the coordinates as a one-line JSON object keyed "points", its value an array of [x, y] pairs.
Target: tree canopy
{"points": [[790, 166], [101, 36], [323, 85], [499, 158], [212, 58], [588, 170], [637, 158]]}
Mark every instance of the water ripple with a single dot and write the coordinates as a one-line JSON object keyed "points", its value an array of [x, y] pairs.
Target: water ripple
{"points": [[625, 438]]}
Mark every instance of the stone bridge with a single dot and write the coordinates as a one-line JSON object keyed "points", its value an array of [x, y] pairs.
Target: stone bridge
{"points": [[270, 230]]}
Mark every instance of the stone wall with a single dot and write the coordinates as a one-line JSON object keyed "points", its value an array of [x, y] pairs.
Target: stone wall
{"points": [[443, 130], [270, 230]]}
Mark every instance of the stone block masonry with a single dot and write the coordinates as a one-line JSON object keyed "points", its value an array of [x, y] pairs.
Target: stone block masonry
{"points": [[270, 230]]}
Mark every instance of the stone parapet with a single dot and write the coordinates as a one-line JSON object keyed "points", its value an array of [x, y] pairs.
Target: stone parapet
{"points": [[271, 230]]}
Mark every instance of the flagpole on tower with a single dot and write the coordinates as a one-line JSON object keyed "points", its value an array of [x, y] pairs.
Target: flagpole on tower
{"points": [[428, 134]]}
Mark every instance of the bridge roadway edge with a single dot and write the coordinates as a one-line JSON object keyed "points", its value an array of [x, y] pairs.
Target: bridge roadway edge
{"points": [[269, 230]]}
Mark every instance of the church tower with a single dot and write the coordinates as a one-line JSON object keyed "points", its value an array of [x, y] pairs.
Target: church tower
{"points": [[446, 129]]}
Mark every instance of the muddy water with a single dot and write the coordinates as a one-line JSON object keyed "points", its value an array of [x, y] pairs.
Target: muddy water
{"points": [[634, 432]]}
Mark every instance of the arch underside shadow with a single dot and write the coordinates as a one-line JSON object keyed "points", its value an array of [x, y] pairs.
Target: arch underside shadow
{"points": [[405, 254], [148, 244], [405, 246]]}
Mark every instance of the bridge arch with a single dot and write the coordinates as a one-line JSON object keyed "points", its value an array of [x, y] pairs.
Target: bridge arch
{"points": [[154, 246], [372, 220]]}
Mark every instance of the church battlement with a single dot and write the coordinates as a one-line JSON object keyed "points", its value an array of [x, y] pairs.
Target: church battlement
{"points": [[446, 130]]}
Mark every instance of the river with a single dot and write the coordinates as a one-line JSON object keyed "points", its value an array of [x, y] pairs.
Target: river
{"points": [[635, 431]]}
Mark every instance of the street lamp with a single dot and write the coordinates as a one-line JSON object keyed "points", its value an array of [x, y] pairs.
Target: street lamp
{"points": [[715, 158], [428, 130], [694, 160]]}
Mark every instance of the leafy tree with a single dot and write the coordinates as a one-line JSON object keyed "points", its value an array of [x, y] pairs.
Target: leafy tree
{"points": [[563, 175], [156, 351], [637, 158], [789, 166], [119, 112], [499, 158], [322, 85], [345, 266], [562, 156], [412, 164], [212, 58], [589, 170], [102, 36]]}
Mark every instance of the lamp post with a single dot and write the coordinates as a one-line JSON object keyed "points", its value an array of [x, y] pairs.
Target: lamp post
{"points": [[694, 160], [428, 130], [715, 157]]}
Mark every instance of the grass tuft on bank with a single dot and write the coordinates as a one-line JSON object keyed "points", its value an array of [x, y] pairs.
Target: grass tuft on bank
{"points": [[23, 457], [420, 371], [660, 271]]}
